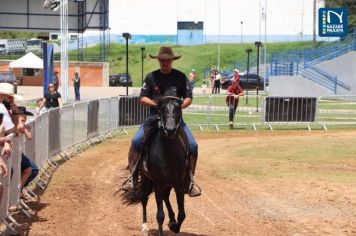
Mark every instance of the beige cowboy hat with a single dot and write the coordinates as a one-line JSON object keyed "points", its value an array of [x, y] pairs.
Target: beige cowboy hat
{"points": [[165, 53], [8, 89]]}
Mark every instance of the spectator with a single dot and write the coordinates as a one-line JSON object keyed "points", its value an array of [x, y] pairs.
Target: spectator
{"points": [[76, 83], [217, 83], [40, 106], [3, 166], [236, 74], [7, 106], [234, 91], [56, 80], [52, 99], [204, 87], [192, 78], [29, 169]]}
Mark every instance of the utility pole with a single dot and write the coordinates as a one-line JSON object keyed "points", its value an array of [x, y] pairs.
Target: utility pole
{"points": [[127, 36]]}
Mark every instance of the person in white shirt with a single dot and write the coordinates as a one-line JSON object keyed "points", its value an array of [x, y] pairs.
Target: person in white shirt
{"points": [[217, 82], [7, 105]]}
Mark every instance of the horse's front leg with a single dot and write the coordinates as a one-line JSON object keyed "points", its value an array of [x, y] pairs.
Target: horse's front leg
{"points": [[160, 212], [172, 219], [181, 211], [144, 227], [147, 189]]}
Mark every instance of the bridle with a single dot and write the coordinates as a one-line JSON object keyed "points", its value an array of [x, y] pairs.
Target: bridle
{"points": [[160, 117]]}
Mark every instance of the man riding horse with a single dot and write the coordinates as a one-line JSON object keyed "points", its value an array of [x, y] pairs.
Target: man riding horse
{"points": [[163, 82]]}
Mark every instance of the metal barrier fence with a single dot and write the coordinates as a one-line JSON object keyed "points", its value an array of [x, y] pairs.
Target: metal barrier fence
{"points": [[60, 130], [253, 110], [57, 131]]}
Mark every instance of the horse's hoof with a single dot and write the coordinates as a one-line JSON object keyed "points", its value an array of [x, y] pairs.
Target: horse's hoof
{"points": [[144, 228], [174, 227]]}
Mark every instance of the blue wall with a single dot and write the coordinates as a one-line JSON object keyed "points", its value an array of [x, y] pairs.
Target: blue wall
{"points": [[190, 37]]}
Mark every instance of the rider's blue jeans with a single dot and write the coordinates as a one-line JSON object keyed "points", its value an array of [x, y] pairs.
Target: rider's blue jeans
{"points": [[138, 139]]}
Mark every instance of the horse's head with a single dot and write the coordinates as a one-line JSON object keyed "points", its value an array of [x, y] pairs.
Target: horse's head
{"points": [[170, 113]]}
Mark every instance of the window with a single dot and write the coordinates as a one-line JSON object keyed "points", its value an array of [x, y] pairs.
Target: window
{"points": [[31, 72]]}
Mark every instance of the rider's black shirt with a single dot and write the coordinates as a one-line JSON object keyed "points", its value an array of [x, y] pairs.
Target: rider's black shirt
{"points": [[173, 84]]}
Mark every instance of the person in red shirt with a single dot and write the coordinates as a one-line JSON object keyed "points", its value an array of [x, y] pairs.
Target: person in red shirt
{"points": [[233, 92]]}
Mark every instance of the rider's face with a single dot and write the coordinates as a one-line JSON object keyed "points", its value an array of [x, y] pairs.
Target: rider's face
{"points": [[165, 65]]}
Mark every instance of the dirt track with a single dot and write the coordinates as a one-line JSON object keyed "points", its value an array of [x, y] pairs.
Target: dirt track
{"points": [[81, 200]]}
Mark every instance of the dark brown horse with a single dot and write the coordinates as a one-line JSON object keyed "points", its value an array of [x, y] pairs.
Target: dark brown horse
{"points": [[164, 167]]}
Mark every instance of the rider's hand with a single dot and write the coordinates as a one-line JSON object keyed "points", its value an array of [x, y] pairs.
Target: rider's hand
{"points": [[236, 96]]}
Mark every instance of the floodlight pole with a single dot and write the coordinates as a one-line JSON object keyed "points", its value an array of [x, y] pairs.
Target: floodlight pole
{"points": [[241, 30], [258, 45], [142, 58], [64, 49], [248, 51], [127, 36]]}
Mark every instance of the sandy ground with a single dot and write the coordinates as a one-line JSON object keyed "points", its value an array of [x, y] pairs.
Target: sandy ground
{"points": [[81, 199]]}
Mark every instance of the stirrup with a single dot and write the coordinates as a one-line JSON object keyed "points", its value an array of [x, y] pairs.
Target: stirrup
{"points": [[128, 184], [191, 187]]}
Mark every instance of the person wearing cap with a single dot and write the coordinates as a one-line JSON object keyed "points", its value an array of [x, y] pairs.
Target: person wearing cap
{"points": [[29, 169], [234, 91], [236, 74], [192, 78], [166, 81]]}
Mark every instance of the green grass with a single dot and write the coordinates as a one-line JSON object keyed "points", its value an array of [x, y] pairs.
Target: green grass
{"points": [[328, 157]]}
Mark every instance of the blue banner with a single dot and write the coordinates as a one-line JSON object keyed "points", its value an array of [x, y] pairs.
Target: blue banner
{"points": [[47, 65], [333, 22]]}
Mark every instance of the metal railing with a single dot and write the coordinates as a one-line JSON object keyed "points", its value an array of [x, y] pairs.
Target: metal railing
{"points": [[54, 134]]}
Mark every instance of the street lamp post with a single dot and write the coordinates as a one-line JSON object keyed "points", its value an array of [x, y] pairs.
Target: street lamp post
{"points": [[258, 45], [142, 57], [248, 51], [127, 36], [241, 30]]}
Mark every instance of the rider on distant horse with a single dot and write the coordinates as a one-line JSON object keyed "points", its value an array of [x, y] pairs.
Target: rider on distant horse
{"points": [[163, 82]]}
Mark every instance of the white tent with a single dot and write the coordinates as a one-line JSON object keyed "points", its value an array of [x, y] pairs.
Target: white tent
{"points": [[30, 60]]}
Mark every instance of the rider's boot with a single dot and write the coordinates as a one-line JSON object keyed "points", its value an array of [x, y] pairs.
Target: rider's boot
{"points": [[128, 185], [193, 190]]}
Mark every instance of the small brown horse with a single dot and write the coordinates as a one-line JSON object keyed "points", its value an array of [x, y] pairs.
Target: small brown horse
{"points": [[164, 167]]}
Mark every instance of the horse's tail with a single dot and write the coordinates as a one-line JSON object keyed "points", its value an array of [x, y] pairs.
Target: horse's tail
{"points": [[136, 195]]}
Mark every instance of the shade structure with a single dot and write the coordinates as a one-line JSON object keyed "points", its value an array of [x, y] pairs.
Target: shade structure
{"points": [[30, 60]]}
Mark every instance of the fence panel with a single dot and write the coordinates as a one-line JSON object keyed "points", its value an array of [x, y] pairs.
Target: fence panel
{"points": [[290, 109], [15, 168], [28, 146], [67, 127], [104, 115], [80, 122], [131, 112], [214, 110], [114, 113], [54, 129], [337, 110], [41, 139], [92, 118]]}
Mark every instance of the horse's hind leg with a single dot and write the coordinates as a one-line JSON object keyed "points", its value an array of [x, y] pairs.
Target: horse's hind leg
{"points": [[172, 218], [181, 212], [160, 212]]}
